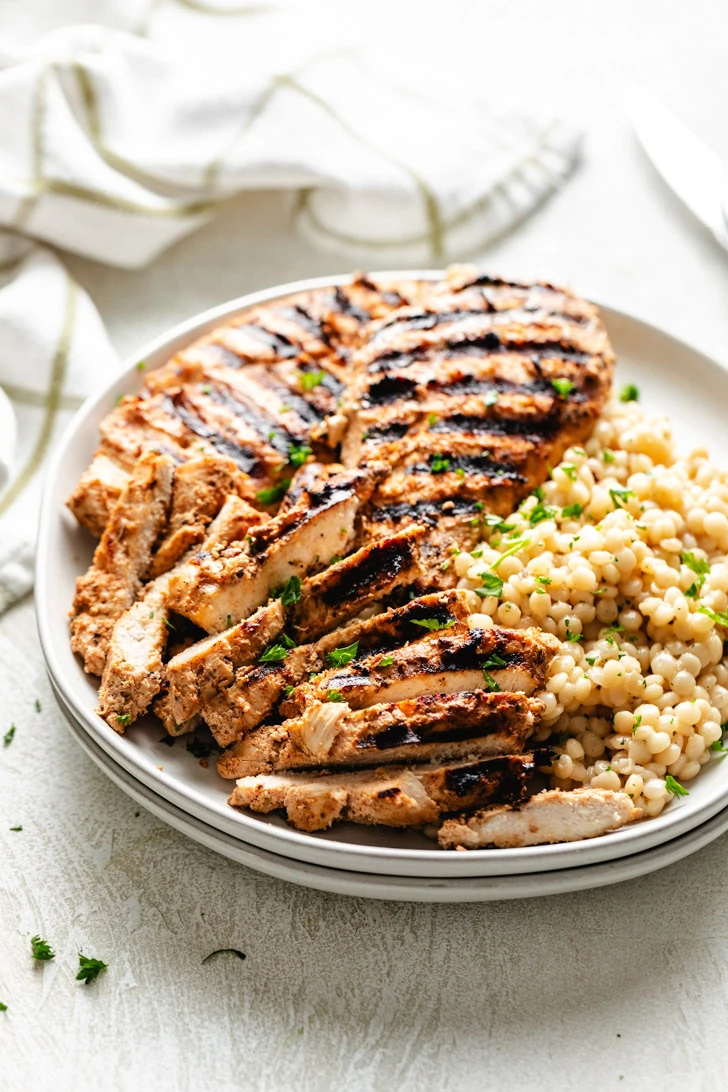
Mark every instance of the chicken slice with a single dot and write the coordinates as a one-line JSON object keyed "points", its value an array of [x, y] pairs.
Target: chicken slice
{"points": [[217, 591], [451, 659], [435, 727], [256, 690], [97, 491], [206, 668], [551, 816], [393, 797], [199, 490], [134, 673], [362, 578], [114, 579]]}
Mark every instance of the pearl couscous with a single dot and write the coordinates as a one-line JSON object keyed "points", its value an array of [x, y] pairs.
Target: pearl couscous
{"points": [[622, 556]]}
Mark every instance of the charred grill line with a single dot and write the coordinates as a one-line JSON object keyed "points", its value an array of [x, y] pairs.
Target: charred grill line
{"points": [[177, 405], [488, 344]]}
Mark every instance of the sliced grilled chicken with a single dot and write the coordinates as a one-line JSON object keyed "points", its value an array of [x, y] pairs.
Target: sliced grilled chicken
{"points": [[435, 727], [199, 490], [256, 391], [551, 816], [257, 690], [217, 592], [394, 797], [346, 588], [114, 579], [133, 672], [443, 662], [208, 667]]}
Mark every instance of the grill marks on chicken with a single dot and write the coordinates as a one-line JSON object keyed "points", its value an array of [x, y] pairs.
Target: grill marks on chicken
{"points": [[394, 797], [432, 727], [217, 484]]}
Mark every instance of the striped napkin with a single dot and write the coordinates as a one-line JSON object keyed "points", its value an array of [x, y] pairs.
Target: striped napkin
{"points": [[117, 140]]}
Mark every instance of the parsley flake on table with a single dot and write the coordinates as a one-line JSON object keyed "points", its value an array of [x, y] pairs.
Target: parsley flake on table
{"points": [[433, 624], [16, 828], [629, 393], [89, 969], [274, 494], [37, 706], [3, 1007], [8, 737], [340, 657], [41, 950], [674, 787], [563, 387]]}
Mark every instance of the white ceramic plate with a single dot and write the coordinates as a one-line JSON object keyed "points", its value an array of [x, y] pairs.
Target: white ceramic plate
{"points": [[673, 378], [406, 889]]}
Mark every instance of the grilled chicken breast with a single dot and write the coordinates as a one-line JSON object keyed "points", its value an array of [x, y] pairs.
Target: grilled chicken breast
{"points": [[450, 660], [394, 796], [434, 727], [551, 816], [121, 558], [133, 672], [257, 690]]}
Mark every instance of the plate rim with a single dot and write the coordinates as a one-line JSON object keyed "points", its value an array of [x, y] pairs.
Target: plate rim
{"points": [[248, 828]]}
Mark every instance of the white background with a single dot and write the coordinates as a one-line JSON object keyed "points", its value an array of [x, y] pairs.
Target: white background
{"points": [[624, 987]]}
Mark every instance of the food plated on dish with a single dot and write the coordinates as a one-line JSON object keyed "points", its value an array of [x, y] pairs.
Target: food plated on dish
{"points": [[396, 548]]}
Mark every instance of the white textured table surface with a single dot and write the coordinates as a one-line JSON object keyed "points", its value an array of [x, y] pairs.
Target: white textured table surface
{"points": [[622, 987]]}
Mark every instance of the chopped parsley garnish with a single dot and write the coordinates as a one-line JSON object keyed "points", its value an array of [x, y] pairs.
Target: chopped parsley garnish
{"points": [[288, 690], [89, 969], [563, 387], [169, 625], [491, 520], [37, 706], [309, 380], [699, 567], [616, 628], [490, 683], [494, 661], [8, 737], [229, 621], [608, 456], [629, 393], [513, 548], [335, 559], [719, 616], [619, 495], [637, 722], [439, 463], [460, 473], [123, 719], [491, 584], [275, 493], [334, 695], [592, 658], [491, 398], [297, 455], [540, 513], [276, 653], [572, 511], [432, 419], [41, 950], [340, 657], [224, 951], [573, 636], [386, 661], [141, 365], [570, 470], [290, 593], [544, 579], [433, 624], [674, 787]]}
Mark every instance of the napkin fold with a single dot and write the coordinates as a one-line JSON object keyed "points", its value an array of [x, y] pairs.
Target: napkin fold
{"points": [[114, 144]]}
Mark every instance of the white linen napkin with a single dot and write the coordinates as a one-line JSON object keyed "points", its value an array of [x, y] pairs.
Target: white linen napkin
{"points": [[117, 140]]}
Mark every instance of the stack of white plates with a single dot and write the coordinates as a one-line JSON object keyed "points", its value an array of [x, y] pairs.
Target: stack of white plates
{"points": [[374, 862]]}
